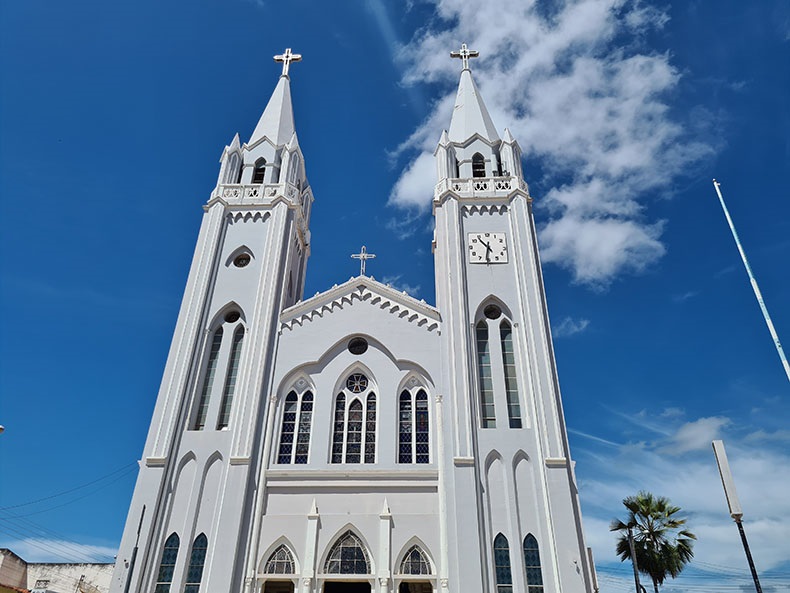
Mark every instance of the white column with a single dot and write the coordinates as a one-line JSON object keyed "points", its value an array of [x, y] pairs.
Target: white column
{"points": [[385, 525], [310, 545], [442, 492]]}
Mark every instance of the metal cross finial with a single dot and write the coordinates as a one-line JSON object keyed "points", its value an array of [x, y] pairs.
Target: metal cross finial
{"points": [[286, 58], [465, 53], [363, 256]]}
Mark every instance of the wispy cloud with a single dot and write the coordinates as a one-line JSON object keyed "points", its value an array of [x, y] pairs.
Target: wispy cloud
{"points": [[569, 326], [58, 550], [397, 284], [590, 108], [683, 297]]}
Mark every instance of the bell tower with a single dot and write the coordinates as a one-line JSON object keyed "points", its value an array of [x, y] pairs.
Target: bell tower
{"points": [[189, 516], [511, 487]]}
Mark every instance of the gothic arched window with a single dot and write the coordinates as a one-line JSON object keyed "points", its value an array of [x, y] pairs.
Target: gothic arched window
{"points": [[347, 556], [208, 380], [230, 378], [478, 165], [280, 562], [233, 170], [297, 421], [293, 172], [487, 411], [259, 172], [196, 561], [504, 578], [532, 564], [167, 564], [355, 423], [415, 562], [509, 365], [413, 430]]}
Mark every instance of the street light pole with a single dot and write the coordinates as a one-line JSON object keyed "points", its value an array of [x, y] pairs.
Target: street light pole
{"points": [[734, 504]]}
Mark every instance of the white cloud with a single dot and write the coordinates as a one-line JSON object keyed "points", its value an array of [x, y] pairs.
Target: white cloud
{"points": [[586, 103], [697, 435], [56, 550], [395, 282], [568, 327]]}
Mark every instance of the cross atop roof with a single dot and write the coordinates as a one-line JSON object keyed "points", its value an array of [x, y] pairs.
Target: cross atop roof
{"points": [[363, 256], [465, 53], [286, 58]]}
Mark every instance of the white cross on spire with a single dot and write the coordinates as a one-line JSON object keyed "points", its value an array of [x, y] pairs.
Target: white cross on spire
{"points": [[363, 256], [286, 58], [465, 53]]}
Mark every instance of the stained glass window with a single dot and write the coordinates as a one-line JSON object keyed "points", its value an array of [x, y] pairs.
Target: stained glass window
{"points": [[487, 412], [509, 364], [347, 556], [354, 430], [338, 435], [370, 430], [230, 378], [295, 430], [504, 579], [196, 561], [280, 562], [167, 564], [208, 380], [415, 562], [414, 430], [303, 435], [532, 564]]}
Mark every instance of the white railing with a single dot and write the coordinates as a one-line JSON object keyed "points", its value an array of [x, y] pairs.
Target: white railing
{"points": [[241, 192], [476, 186]]}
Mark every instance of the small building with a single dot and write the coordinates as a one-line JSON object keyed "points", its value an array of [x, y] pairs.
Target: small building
{"points": [[17, 575]]}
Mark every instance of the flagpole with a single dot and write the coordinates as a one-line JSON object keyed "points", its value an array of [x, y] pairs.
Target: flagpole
{"points": [[752, 279]]}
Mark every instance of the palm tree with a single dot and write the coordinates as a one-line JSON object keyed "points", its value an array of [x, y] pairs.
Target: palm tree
{"points": [[662, 546]]}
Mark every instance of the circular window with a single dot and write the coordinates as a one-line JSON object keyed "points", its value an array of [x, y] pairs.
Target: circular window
{"points": [[492, 312], [358, 346], [232, 316], [241, 260], [357, 383]]}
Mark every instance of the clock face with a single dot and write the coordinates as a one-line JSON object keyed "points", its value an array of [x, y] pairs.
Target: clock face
{"points": [[487, 248]]}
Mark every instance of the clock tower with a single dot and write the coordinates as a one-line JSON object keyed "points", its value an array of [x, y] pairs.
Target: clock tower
{"points": [[510, 446]]}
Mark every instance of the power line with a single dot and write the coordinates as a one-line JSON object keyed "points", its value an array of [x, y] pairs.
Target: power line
{"points": [[70, 490]]}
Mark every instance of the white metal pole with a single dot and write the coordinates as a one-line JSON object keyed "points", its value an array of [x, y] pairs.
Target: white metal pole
{"points": [[752, 279]]}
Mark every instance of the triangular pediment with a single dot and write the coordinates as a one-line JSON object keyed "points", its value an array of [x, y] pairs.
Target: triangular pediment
{"points": [[399, 304]]}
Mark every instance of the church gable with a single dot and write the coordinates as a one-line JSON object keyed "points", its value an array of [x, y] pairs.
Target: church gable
{"points": [[366, 290]]}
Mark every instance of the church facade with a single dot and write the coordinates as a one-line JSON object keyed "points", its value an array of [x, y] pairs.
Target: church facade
{"points": [[360, 440]]}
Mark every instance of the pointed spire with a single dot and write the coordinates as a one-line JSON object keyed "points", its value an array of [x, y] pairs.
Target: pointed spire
{"points": [[470, 115], [277, 121], [508, 136], [444, 140]]}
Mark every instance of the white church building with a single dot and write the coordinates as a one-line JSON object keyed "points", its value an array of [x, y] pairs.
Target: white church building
{"points": [[359, 441]]}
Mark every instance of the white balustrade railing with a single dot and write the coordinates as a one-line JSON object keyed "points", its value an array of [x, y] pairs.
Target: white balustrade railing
{"points": [[477, 185], [243, 192]]}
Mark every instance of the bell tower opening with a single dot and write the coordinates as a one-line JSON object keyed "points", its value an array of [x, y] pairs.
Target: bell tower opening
{"points": [[415, 587]]}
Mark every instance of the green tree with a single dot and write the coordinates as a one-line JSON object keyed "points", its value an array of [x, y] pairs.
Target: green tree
{"points": [[662, 545]]}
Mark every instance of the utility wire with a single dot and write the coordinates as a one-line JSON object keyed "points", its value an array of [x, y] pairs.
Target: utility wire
{"points": [[70, 490]]}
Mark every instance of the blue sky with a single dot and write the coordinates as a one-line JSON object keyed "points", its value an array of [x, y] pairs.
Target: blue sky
{"points": [[113, 117]]}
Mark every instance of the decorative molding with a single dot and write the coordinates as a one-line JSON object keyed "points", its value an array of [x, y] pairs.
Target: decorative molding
{"points": [[155, 461], [464, 461], [362, 289], [556, 462], [445, 583], [239, 460]]}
